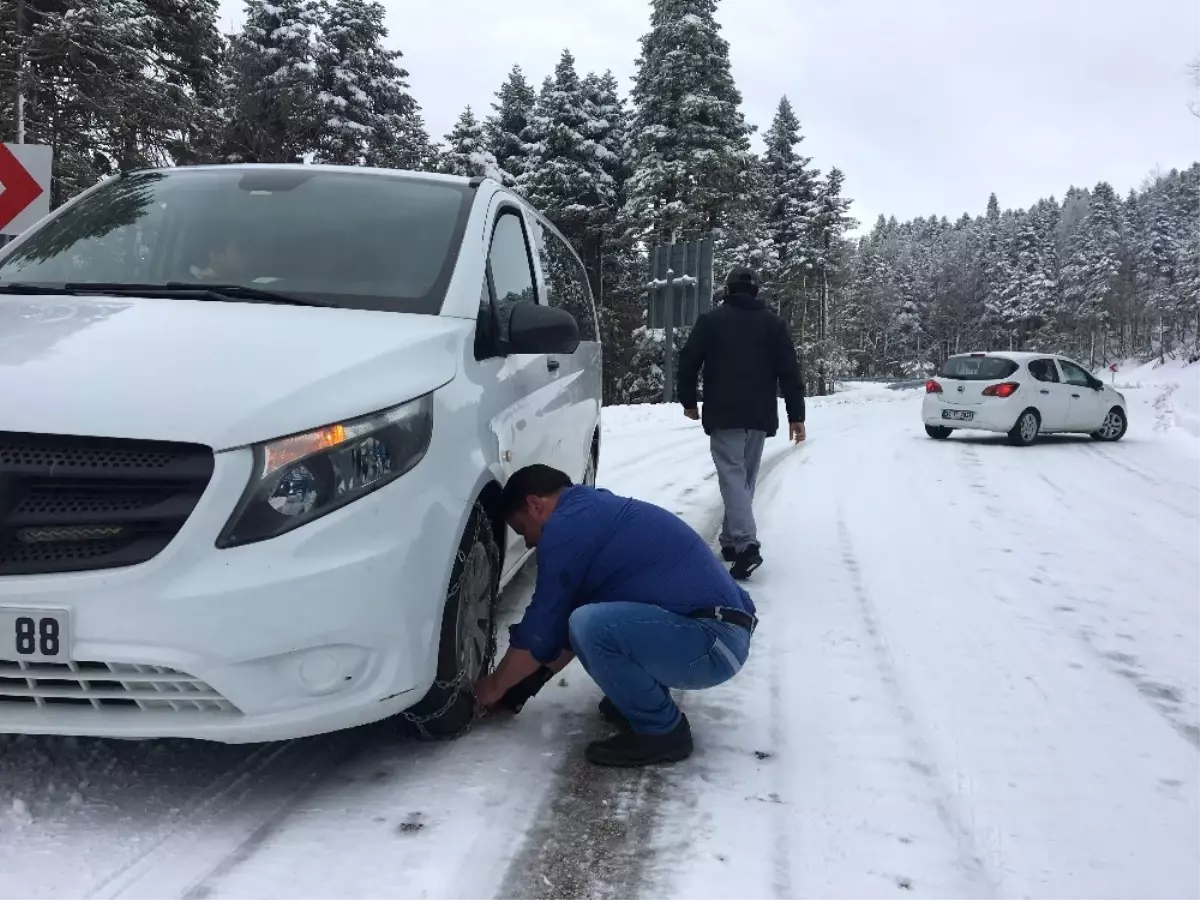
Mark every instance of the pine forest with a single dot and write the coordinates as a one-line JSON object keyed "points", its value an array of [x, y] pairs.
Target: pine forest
{"points": [[121, 84]]}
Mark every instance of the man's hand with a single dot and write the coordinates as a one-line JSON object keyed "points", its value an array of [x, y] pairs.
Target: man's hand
{"points": [[487, 691], [798, 433], [693, 414]]}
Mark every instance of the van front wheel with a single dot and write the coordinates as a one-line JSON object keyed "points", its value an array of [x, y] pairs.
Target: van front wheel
{"points": [[467, 646]]}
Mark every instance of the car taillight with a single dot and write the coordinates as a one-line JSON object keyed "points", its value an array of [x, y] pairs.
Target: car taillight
{"points": [[932, 387], [1007, 389]]}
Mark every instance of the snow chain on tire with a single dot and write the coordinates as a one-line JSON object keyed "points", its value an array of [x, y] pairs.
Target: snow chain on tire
{"points": [[454, 687]]}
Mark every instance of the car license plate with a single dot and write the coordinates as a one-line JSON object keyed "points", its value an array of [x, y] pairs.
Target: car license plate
{"points": [[35, 635], [959, 415]]}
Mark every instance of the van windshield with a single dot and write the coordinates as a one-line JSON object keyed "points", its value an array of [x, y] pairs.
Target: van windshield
{"points": [[353, 240], [977, 368]]}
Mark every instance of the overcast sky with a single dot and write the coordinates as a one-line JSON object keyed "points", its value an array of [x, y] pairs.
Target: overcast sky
{"points": [[927, 105]]}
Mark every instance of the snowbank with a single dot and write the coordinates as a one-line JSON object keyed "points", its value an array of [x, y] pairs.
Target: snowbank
{"points": [[1163, 397]]}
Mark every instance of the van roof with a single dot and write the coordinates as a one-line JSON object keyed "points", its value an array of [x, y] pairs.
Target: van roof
{"points": [[354, 170]]}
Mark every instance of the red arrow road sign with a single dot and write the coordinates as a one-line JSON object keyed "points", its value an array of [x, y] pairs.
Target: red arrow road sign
{"points": [[20, 188]]}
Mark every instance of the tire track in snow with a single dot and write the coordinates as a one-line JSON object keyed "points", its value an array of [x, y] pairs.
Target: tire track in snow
{"points": [[922, 760], [1162, 499], [1154, 689], [216, 825]]}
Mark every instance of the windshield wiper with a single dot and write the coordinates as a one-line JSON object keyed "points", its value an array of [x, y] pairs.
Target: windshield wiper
{"points": [[30, 287], [192, 290], [197, 290]]}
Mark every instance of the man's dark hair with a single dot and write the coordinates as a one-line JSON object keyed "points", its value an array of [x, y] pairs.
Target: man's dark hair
{"points": [[532, 481]]}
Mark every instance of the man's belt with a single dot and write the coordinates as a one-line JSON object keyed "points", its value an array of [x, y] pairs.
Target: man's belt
{"points": [[738, 617]]}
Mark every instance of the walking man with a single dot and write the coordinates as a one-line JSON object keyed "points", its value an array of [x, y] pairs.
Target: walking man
{"points": [[637, 595], [747, 354]]}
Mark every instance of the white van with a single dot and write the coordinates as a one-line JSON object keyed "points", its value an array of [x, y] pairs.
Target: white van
{"points": [[254, 422]]}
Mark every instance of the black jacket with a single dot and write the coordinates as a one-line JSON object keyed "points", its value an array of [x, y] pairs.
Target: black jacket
{"points": [[746, 352]]}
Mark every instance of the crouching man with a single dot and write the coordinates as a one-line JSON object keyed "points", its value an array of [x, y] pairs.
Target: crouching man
{"points": [[636, 595]]}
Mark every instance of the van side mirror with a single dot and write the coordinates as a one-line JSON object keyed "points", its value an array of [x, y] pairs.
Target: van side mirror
{"points": [[533, 328]]}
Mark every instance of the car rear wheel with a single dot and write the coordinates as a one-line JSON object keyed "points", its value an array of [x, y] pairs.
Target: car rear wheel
{"points": [[1114, 427], [938, 432], [467, 646], [1025, 432]]}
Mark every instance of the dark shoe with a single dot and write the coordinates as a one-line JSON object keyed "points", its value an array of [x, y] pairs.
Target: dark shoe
{"points": [[729, 554], [747, 561], [613, 716], [630, 749]]}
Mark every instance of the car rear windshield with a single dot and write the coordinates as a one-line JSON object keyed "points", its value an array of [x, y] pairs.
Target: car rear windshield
{"points": [[977, 368], [356, 240]]}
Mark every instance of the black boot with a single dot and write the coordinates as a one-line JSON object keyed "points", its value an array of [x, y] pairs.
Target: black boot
{"points": [[729, 554], [613, 716], [630, 749], [747, 561]]}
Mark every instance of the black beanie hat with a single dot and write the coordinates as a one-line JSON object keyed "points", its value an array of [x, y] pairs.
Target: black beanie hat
{"points": [[742, 280]]}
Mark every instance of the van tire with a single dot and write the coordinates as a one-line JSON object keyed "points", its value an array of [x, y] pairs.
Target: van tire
{"points": [[466, 648], [589, 472], [1025, 432], [938, 432]]}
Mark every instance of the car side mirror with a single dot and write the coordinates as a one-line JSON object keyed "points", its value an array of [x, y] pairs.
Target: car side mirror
{"points": [[533, 328]]}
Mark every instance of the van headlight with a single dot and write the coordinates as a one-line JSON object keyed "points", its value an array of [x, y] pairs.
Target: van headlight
{"points": [[303, 477]]}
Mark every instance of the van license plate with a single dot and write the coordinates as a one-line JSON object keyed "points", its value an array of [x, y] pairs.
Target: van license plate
{"points": [[960, 415], [35, 635]]}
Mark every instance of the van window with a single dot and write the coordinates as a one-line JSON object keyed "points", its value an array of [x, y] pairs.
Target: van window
{"points": [[354, 240], [978, 368], [512, 275], [567, 283]]}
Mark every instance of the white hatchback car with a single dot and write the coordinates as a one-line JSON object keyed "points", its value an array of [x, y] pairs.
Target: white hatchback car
{"points": [[256, 420], [1021, 395]]}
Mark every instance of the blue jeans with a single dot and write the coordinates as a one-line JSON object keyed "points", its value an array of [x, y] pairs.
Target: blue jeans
{"points": [[636, 651]]}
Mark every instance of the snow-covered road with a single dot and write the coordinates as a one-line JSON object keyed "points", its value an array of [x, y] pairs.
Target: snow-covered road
{"points": [[976, 675]]}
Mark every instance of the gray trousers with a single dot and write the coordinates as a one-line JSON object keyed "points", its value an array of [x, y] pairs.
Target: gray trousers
{"points": [[737, 454]]}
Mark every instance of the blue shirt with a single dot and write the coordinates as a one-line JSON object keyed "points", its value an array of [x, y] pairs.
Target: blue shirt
{"points": [[597, 547]]}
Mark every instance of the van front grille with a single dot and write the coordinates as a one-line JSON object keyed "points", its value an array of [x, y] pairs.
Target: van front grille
{"points": [[70, 504]]}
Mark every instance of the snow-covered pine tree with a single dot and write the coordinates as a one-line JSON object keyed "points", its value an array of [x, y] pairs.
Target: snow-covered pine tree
{"points": [[691, 158], [466, 152], [792, 193], [744, 238], [827, 223], [1031, 291], [274, 113], [564, 175], [606, 127], [615, 264], [187, 58], [995, 268], [513, 109], [92, 87], [369, 115], [1091, 270]]}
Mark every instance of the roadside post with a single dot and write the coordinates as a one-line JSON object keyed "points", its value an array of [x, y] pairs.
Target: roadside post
{"points": [[680, 289]]}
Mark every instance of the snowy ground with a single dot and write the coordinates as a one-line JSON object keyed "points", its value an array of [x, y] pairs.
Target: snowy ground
{"points": [[976, 676]]}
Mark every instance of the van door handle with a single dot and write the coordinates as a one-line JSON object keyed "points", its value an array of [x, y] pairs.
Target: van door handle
{"points": [[1044, 391], [552, 365], [1076, 396]]}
